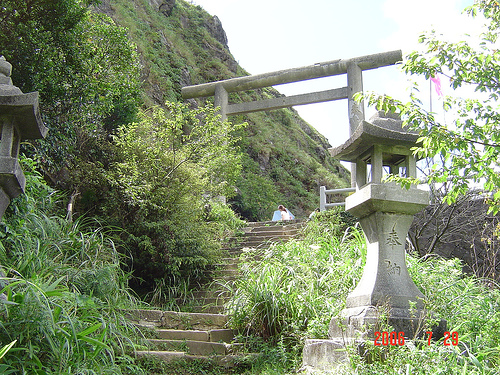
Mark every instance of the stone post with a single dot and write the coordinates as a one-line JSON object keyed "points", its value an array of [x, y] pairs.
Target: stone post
{"points": [[356, 110], [221, 100], [355, 85]]}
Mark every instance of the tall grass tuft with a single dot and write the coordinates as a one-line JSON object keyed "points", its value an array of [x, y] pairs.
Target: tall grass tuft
{"points": [[62, 290]]}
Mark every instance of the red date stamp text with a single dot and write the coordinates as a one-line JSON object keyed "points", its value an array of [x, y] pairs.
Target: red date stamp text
{"points": [[398, 338]]}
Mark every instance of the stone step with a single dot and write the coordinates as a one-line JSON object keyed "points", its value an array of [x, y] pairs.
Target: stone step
{"points": [[271, 224], [230, 260], [206, 317], [229, 271], [163, 355], [263, 236], [214, 335], [183, 334], [208, 309], [227, 361], [262, 241], [197, 347], [227, 278], [266, 234], [246, 249], [229, 265], [200, 321], [191, 346], [145, 316], [273, 231], [212, 293], [233, 242], [203, 334], [253, 224]]}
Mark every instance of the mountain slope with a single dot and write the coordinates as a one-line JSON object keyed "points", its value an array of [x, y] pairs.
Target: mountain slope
{"points": [[286, 160]]}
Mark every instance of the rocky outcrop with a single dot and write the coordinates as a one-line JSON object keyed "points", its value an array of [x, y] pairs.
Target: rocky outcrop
{"points": [[214, 27], [164, 6], [167, 7]]}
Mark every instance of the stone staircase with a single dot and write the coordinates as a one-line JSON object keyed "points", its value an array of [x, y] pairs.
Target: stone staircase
{"points": [[203, 333], [189, 336], [262, 234]]}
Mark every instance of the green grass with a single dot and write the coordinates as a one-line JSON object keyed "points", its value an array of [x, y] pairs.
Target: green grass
{"points": [[63, 290]]}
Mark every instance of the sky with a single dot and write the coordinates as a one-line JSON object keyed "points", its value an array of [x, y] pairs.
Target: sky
{"points": [[271, 35]]}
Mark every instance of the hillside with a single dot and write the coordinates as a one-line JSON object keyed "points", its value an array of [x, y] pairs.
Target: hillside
{"points": [[285, 161]]}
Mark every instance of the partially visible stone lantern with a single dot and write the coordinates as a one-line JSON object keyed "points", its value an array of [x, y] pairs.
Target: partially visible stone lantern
{"points": [[19, 120], [385, 211]]}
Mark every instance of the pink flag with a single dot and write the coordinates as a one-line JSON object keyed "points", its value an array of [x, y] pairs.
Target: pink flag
{"points": [[437, 85]]}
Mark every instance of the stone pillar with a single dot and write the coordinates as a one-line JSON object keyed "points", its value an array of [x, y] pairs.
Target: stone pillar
{"points": [[221, 100], [356, 110], [385, 212], [355, 85]]}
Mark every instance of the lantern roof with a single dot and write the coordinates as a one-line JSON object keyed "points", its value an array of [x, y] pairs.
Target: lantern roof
{"points": [[23, 107], [382, 129]]}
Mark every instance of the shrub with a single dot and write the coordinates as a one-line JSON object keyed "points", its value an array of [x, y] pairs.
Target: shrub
{"points": [[173, 164]]}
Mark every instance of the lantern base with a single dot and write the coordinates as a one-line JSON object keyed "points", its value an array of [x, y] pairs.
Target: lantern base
{"points": [[360, 330], [368, 322]]}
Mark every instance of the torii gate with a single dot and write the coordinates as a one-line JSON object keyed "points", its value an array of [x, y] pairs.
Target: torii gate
{"points": [[352, 67]]}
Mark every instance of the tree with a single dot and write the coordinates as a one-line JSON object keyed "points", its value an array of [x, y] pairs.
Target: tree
{"points": [[175, 155], [469, 142], [83, 65], [173, 163]]}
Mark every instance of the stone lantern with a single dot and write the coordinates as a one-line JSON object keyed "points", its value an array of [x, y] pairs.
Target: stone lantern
{"points": [[19, 120], [385, 211]]}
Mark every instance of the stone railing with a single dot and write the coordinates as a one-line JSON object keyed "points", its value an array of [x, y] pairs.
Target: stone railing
{"points": [[324, 193]]}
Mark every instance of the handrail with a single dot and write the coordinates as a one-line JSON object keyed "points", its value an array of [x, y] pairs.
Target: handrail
{"points": [[323, 192]]}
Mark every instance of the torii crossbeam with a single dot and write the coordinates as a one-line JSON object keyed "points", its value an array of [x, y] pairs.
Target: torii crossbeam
{"points": [[352, 67]]}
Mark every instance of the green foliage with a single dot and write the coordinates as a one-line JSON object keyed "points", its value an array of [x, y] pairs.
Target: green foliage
{"points": [[294, 289], [257, 196], [173, 156], [288, 158], [85, 69], [470, 307], [87, 72], [466, 148], [36, 240], [222, 216], [174, 164]]}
